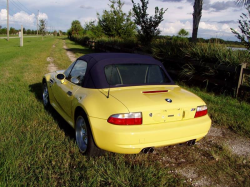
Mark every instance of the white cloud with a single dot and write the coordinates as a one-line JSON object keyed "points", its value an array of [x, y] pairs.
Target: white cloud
{"points": [[173, 28], [23, 18], [208, 26], [87, 19], [3, 15], [20, 18], [42, 16], [226, 28]]}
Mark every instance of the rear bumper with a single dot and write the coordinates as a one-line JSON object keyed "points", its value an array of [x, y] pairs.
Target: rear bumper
{"points": [[132, 139]]}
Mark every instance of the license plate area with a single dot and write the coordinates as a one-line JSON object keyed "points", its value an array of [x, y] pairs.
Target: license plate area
{"points": [[168, 115]]}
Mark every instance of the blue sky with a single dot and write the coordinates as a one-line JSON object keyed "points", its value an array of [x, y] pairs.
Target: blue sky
{"points": [[218, 16]]}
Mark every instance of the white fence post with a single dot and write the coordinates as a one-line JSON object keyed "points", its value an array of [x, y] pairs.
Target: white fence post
{"points": [[21, 37]]}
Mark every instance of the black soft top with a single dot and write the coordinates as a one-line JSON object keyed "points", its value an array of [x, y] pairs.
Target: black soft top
{"points": [[95, 74]]}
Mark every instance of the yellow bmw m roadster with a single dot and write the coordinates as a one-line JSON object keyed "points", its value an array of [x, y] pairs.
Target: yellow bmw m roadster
{"points": [[124, 103]]}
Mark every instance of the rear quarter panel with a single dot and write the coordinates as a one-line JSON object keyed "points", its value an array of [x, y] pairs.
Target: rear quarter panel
{"points": [[96, 104]]}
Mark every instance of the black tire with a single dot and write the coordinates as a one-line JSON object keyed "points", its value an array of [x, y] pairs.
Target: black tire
{"points": [[46, 102], [84, 137]]}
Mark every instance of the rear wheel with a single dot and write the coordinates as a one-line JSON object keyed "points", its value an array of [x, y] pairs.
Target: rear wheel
{"points": [[46, 102], [84, 138]]}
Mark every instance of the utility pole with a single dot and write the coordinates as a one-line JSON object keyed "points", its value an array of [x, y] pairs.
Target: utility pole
{"points": [[37, 24], [21, 38], [8, 27]]}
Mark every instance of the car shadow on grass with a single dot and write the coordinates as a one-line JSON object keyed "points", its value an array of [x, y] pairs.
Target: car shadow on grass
{"points": [[62, 124]]}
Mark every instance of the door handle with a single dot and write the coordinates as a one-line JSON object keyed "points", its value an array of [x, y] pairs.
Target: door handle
{"points": [[69, 93]]}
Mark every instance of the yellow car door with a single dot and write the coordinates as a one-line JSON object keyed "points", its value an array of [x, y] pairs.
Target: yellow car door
{"points": [[64, 95], [64, 90]]}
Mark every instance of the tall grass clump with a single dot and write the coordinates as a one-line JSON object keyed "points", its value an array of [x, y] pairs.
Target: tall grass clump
{"points": [[215, 53], [200, 52], [118, 43], [164, 48]]}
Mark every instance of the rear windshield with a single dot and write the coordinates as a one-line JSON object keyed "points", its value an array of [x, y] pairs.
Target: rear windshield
{"points": [[135, 74]]}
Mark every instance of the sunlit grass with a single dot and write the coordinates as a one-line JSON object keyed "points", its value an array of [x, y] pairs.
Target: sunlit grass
{"points": [[37, 147]]}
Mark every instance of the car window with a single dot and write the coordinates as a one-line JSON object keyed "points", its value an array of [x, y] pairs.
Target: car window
{"points": [[78, 71], [68, 70], [135, 74]]}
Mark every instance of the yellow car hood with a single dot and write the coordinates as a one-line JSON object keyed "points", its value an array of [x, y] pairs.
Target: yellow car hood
{"points": [[154, 106]]}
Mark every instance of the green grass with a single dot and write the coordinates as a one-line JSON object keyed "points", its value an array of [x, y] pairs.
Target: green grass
{"points": [[78, 49], [226, 111], [37, 147]]}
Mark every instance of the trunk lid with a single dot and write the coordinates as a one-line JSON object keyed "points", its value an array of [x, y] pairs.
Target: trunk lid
{"points": [[161, 107]]}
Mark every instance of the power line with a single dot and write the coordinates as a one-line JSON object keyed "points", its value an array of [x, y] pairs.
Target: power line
{"points": [[23, 6], [19, 7], [15, 5]]}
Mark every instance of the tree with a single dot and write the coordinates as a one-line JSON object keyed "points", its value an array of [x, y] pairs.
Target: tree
{"points": [[243, 2], [42, 26], [183, 33], [147, 26], [28, 31], [196, 18], [12, 30], [76, 27], [244, 26], [93, 30], [3, 31], [116, 23], [69, 33], [55, 33]]}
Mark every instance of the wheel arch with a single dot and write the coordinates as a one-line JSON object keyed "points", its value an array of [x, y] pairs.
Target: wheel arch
{"points": [[79, 109], [46, 78]]}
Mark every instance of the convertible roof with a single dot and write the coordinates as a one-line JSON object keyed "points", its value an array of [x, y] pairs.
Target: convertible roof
{"points": [[95, 75]]}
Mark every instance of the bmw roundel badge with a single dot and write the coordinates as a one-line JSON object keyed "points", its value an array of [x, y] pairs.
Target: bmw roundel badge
{"points": [[169, 100]]}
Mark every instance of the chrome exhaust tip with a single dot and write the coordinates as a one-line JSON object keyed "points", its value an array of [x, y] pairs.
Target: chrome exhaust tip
{"points": [[147, 150], [151, 150], [191, 142]]}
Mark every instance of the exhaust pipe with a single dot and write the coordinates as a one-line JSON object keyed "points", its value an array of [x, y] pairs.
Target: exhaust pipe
{"points": [[191, 142], [151, 150], [147, 150]]}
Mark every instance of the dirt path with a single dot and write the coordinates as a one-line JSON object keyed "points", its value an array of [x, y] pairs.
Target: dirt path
{"points": [[237, 144], [71, 55], [52, 67]]}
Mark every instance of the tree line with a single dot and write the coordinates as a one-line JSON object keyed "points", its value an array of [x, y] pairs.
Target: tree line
{"points": [[13, 31], [137, 23], [115, 23]]}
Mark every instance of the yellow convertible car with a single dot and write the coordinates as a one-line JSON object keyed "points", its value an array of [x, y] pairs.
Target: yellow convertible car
{"points": [[124, 103]]}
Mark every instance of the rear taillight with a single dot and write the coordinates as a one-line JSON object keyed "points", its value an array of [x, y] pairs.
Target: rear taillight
{"points": [[201, 111], [126, 119]]}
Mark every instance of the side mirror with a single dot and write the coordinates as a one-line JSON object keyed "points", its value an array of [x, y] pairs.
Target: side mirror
{"points": [[61, 77], [75, 80]]}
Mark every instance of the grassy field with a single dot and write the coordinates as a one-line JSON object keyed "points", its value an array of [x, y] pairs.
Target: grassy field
{"points": [[37, 147]]}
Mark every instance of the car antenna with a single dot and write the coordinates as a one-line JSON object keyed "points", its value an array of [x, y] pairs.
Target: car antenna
{"points": [[110, 81]]}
